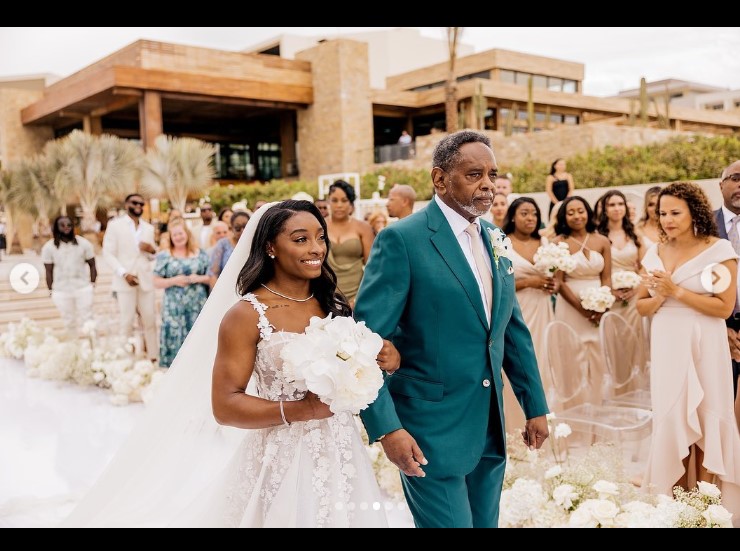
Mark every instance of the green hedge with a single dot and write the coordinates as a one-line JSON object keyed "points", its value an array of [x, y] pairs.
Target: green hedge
{"points": [[681, 158]]}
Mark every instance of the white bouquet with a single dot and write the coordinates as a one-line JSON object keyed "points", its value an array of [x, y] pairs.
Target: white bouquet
{"points": [[597, 299], [336, 360], [552, 257], [625, 279]]}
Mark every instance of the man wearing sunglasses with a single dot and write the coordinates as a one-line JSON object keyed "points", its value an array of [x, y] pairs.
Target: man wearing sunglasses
{"points": [[128, 247], [728, 222]]}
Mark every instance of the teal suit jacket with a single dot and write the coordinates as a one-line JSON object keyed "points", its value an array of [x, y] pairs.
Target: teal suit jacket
{"points": [[420, 292]]}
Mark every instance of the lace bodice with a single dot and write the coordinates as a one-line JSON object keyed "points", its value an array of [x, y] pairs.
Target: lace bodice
{"points": [[268, 366]]}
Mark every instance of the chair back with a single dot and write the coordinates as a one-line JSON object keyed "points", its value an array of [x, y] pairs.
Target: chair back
{"points": [[623, 354], [567, 361]]}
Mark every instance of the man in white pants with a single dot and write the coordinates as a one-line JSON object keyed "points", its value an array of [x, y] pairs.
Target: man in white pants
{"points": [[128, 247], [70, 274]]}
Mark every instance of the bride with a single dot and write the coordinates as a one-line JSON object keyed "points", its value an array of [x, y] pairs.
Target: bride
{"points": [[191, 462]]}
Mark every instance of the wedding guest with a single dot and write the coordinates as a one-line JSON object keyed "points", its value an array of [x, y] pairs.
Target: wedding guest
{"points": [[181, 271], [401, 199], [351, 240], [258, 204], [504, 186], [70, 274], [497, 213], [592, 254], [164, 236], [225, 214], [648, 228], [377, 220], [695, 435], [203, 232], [632, 212], [727, 218], [220, 231], [533, 291], [559, 184], [627, 251], [323, 207], [223, 249], [128, 248]]}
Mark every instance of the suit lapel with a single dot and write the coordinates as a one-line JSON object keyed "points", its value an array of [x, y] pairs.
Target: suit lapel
{"points": [[497, 283], [721, 224], [449, 249]]}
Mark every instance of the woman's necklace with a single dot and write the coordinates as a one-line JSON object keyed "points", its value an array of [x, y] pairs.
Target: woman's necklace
{"points": [[286, 296]]}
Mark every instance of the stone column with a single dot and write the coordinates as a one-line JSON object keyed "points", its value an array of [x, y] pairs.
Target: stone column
{"points": [[335, 133], [150, 118]]}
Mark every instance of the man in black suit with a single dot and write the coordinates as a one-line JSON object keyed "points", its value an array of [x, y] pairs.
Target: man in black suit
{"points": [[728, 224]]}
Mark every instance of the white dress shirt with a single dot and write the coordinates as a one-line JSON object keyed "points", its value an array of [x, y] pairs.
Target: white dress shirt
{"points": [[459, 225]]}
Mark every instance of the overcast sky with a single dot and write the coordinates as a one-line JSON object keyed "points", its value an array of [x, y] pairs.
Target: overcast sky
{"points": [[615, 57]]}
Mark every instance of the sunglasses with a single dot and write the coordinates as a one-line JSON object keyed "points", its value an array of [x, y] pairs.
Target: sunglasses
{"points": [[137, 203], [238, 228]]}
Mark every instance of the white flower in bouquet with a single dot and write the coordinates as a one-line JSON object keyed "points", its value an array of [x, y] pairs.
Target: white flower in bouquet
{"points": [[552, 472], [606, 489], [520, 503], [552, 257], [336, 360], [563, 430], [717, 517], [594, 513], [636, 514], [19, 337], [708, 489], [597, 299], [625, 279]]}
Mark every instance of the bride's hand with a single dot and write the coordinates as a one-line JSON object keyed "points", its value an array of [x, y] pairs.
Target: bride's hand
{"points": [[389, 358], [316, 408]]}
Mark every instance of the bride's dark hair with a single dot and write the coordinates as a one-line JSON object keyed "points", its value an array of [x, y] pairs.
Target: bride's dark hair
{"points": [[260, 269]]}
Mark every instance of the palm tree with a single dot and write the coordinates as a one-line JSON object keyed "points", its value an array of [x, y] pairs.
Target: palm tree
{"points": [[98, 171], [9, 199], [177, 168], [36, 193], [453, 37]]}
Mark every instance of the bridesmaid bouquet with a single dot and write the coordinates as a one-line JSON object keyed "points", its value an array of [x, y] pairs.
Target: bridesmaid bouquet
{"points": [[336, 360], [552, 257], [597, 299], [625, 279]]}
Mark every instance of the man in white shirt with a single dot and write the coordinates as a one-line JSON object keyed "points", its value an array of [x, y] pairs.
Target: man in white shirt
{"points": [[128, 247], [203, 233], [70, 274]]}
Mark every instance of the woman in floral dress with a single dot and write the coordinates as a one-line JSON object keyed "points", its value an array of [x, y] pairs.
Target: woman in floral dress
{"points": [[181, 272]]}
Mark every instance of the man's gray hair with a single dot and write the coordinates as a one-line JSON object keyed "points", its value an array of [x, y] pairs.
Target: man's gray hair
{"points": [[447, 153]]}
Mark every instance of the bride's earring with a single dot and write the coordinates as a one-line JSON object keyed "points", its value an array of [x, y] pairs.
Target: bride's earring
{"points": [[272, 256]]}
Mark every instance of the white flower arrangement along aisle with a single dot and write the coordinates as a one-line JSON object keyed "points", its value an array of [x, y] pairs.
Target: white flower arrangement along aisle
{"points": [[108, 362]]}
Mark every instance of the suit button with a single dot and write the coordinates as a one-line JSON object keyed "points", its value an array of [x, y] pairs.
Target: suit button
{"points": [[486, 383], [490, 342]]}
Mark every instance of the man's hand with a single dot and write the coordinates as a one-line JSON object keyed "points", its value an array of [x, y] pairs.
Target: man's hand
{"points": [[535, 432], [389, 359], [131, 279], [734, 340], [147, 248], [403, 452]]}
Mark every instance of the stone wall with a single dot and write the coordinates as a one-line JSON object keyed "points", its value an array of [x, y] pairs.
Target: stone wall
{"points": [[335, 133]]}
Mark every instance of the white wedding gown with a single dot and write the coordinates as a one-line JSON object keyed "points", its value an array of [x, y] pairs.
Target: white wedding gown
{"points": [[308, 474]]}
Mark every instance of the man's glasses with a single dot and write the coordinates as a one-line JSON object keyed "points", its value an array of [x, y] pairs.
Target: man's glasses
{"points": [[734, 177], [137, 203]]}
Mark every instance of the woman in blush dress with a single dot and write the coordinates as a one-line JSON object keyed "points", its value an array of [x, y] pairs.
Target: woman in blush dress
{"points": [[627, 251], [691, 369], [533, 291], [592, 253], [648, 228]]}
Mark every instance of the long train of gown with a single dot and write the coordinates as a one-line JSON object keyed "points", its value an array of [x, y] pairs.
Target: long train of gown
{"points": [[691, 385], [537, 312], [309, 474], [587, 273]]}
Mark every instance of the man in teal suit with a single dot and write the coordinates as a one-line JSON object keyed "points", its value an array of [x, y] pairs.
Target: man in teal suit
{"points": [[439, 286]]}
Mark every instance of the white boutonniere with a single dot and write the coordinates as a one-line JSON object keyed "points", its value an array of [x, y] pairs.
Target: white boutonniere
{"points": [[500, 244]]}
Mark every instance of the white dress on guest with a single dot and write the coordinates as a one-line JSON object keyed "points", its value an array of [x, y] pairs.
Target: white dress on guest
{"points": [[537, 312], [587, 273], [691, 385]]}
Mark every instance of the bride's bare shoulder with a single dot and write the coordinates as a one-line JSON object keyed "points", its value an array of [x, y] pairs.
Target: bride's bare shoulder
{"points": [[241, 318]]}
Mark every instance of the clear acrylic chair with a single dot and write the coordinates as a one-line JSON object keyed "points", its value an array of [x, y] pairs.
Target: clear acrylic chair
{"points": [[626, 384], [568, 366]]}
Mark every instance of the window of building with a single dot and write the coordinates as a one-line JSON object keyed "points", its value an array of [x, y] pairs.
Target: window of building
{"points": [[676, 96], [481, 74], [556, 118], [275, 50], [539, 116], [507, 76], [519, 130], [522, 115], [555, 84], [570, 86], [522, 78], [268, 161], [539, 81], [570, 119], [489, 119], [428, 86], [715, 106]]}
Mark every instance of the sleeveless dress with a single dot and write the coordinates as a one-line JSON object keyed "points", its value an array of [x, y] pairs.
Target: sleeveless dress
{"points": [[537, 312], [559, 190], [346, 259], [309, 474], [587, 273], [691, 385], [626, 260]]}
